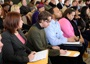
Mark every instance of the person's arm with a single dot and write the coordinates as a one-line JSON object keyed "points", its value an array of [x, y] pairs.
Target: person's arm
{"points": [[66, 27], [81, 39]]}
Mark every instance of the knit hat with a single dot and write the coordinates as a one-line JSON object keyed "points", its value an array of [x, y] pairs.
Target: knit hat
{"points": [[40, 6]]}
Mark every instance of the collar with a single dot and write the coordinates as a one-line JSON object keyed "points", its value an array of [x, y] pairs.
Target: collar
{"points": [[68, 19], [38, 26], [54, 21]]}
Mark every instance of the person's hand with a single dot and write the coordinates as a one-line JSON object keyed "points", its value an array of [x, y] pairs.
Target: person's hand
{"points": [[31, 55], [77, 38], [56, 47], [62, 52], [71, 39], [81, 40]]}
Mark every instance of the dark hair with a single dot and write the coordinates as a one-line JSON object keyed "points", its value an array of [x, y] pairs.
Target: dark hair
{"points": [[68, 11], [37, 2], [51, 10], [43, 16], [11, 21], [83, 10]]}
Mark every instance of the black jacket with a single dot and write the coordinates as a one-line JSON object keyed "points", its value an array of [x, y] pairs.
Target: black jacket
{"points": [[14, 52]]}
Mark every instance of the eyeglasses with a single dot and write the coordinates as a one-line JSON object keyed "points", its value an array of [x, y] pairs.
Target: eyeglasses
{"points": [[48, 21]]}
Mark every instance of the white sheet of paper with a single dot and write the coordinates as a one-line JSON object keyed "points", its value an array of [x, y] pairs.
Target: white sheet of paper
{"points": [[40, 55], [72, 43]]}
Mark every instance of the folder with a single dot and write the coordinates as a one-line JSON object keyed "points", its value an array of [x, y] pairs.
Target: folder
{"points": [[71, 53], [42, 61]]}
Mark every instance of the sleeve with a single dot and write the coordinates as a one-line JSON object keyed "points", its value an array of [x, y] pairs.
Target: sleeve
{"points": [[66, 28], [9, 53]]}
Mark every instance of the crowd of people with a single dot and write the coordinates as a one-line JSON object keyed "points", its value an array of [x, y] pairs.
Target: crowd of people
{"points": [[29, 27]]}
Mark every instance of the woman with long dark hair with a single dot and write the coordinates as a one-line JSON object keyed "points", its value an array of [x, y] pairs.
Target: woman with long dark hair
{"points": [[86, 22]]}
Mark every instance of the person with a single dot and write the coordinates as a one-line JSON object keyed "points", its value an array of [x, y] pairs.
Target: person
{"points": [[66, 5], [87, 2], [52, 3], [15, 8], [40, 8], [24, 9], [42, 1], [37, 39], [1, 20], [5, 8], [14, 49], [60, 4], [47, 6], [53, 32], [1, 45], [25, 27], [67, 21], [84, 23]]}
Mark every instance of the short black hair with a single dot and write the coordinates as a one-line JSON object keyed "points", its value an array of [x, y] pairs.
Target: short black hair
{"points": [[51, 10]]}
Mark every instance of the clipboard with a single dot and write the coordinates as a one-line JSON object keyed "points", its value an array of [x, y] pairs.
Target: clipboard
{"points": [[71, 53], [42, 61]]}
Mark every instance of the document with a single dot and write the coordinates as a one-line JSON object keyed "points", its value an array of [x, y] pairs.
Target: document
{"points": [[40, 55], [72, 43], [71, 53]]}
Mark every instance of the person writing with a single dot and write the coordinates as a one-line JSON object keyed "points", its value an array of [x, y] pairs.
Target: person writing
{"points": [[14, 49]]}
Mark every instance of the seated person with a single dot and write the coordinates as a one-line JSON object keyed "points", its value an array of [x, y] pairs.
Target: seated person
{"points": [[1, 20], [14, 49], [1, 45], [37, 39], [72, 29], [40, 8]]}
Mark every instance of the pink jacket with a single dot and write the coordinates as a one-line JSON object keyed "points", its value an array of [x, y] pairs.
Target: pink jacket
{"points": [[66, 27]]}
